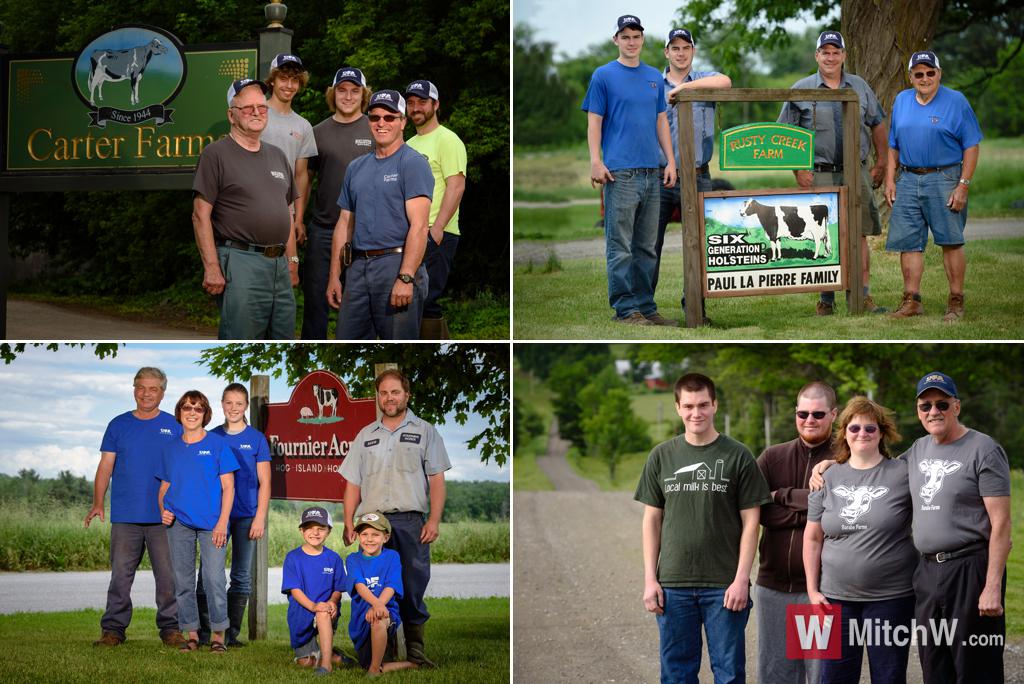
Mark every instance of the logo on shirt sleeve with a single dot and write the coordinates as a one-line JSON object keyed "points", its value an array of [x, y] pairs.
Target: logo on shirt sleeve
{"points": [[371, 442], [409, 437]]}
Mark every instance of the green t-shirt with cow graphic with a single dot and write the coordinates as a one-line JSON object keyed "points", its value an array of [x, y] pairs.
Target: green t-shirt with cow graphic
{"points": [[702, 490]]}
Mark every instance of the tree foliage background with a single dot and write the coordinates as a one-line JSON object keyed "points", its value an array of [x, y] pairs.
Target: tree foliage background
{"points": [[127, 242]]}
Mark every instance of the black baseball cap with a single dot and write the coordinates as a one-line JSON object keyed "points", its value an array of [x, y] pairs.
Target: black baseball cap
{"points": [[236, 87], [924, 57], [389, 99], [627, 21], [318, 515], [422, 88], [350, 74], [679, 33], [831, 38]]}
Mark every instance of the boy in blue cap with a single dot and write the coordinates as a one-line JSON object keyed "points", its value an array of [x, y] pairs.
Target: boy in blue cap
{"points": [[375, 584], [313, 578]]}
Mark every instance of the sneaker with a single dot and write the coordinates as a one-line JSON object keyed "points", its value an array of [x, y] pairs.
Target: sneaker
{"points": [[173, 639], [871, 307], [109, 639], [954, 308], [635, 318], [657, 319], [908, 307], [823, 308]]}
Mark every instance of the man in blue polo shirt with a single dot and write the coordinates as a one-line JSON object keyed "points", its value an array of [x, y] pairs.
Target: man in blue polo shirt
{"points": [[385, 204], [933, 140], [626, 127], [129, 455], [680, 49]]}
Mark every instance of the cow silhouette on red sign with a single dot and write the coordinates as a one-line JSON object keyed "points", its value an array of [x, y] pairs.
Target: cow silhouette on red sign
{"points": [[310, 436]]}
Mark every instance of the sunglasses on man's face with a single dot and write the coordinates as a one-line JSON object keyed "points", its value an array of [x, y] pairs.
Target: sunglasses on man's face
{"points": [[926, 406], [922, 74], [818, 415], [387, 117], [870, 429]]}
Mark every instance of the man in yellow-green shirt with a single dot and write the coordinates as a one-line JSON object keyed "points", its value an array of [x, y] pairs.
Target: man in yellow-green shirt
{"points": [[447, 156]]}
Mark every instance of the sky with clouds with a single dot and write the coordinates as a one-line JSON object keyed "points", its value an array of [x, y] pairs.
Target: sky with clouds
{"points": [[56, 405]]}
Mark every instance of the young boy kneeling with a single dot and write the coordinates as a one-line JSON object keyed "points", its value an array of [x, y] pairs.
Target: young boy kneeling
{"points": [[314, 578], [375, 583]]}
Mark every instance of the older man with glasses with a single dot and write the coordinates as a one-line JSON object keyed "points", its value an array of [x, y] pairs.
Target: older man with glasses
{"points": [[242, 217], [381, 234], [933, 142]]}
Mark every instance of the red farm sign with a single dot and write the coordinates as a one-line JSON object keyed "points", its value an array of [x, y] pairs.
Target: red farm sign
{"points": [[310, 436]]}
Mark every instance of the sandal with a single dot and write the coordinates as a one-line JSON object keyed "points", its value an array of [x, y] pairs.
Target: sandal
{"points": [[189, 646], [218, 647]]}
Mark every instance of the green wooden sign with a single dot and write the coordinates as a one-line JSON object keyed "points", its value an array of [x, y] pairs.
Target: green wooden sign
{"points": [[766, 145], [133, 99]]}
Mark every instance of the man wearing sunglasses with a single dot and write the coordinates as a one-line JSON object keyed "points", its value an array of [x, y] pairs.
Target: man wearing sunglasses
{"points": [[780, 577], [242, 217], [933, 143], [385, 203]]}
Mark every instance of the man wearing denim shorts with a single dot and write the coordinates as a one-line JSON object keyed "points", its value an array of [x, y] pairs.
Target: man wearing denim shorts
{"points": [[626, 126], [680, 49], [933, 141], [702, 494], [826, 120]]}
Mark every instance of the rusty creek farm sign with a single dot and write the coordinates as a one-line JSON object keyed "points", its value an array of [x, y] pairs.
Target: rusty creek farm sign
{"points": [[133, 98], [766, 146]]}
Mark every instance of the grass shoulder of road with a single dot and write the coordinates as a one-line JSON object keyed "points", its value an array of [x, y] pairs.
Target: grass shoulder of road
{"points": [[53, 539], [534, 395], [570, 302], [484, 316], [469, 640], [997, 189]]}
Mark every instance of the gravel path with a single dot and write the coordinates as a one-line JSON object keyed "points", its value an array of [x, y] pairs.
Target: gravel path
{"points": [[28, 320]]}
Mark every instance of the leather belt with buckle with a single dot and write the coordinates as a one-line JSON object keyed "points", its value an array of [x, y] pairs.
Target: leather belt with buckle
{"points": [[922, 170], [372, 253], [269, 251], [828, 168], [943, 556]]}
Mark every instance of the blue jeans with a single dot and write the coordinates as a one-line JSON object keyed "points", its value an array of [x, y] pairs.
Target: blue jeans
{"points": [[439, 260], [888, 664], [315, 268], [128, 541], [366, 312], [631, 206], [686, 609], [921, 204], [415, 556], [669, 201], [242, 549], [182, 540]]}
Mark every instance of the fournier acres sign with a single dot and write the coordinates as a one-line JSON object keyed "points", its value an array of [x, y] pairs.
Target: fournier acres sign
{"points": [[134, 98], [311, 434], [772, 241]]}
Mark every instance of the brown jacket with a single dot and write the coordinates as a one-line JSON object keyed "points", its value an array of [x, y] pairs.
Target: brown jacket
{"points": [[787, 469]]}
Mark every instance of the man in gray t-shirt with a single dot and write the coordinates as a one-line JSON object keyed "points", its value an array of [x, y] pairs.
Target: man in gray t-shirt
{"points": [[340, 138], [960, 485], [241, 216]]}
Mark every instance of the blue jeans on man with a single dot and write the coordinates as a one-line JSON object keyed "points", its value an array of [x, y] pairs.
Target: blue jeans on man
{"points": [[686, 609], [439, 260], [182, 540], [315, 269], [415, 556], [670, 200], [366, 312], [631, 206]]}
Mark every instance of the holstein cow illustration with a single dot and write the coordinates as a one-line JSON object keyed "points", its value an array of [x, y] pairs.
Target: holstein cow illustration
{"points": [[326, 396], [858, 500], [935, 470], [796, 223], [121, 65]]}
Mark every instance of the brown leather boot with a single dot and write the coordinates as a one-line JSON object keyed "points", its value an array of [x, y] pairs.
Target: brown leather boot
{"points": [[908, 307], [954, 308], [414, 645]]}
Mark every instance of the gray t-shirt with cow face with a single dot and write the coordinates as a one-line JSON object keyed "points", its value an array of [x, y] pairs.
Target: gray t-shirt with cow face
{"points": [[947, 482], [868, 554]]}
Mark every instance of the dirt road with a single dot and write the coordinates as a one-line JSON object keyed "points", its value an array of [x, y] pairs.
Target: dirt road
{"points": [[37, 321], [578, 579]]}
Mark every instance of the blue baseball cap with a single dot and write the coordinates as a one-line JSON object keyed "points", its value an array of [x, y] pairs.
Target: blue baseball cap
{"points": [[350, 74], [679, 33], [939, 381], [831, 38], [422, 88], [285, 58], [236, 87], [389, 99], [924, 57], [318, 515], [626, 21]]}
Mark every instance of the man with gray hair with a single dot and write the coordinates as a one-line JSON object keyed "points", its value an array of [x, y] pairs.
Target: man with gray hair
{"points": [[129, 455], [780, 577]]}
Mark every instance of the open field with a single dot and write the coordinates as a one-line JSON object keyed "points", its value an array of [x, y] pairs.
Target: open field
{"points": [[534, 394], [469, 639]]}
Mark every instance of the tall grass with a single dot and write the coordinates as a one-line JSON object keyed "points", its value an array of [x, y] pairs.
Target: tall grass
{"points": [[52, 538]]}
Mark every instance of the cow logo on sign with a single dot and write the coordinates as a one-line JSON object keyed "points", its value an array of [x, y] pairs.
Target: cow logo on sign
{"points": [[325, 399], [129, 75]]}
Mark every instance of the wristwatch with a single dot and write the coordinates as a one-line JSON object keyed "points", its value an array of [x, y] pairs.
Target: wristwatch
{"points": [[405, 278], [293, 259], [965, 181]]}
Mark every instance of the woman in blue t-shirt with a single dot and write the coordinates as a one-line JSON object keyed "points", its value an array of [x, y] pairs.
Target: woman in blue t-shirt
{"points": [[249, 512], [197, 489]]}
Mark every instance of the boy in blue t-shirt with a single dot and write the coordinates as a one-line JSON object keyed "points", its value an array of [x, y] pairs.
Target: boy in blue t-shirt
{"points": [[375, 584], [313, 578]]}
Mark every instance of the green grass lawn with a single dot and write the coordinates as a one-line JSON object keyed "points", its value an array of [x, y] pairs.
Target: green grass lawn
{"points": [[534, 394], [1015, 563], [571, 303], [468, 639], [658, 409]]}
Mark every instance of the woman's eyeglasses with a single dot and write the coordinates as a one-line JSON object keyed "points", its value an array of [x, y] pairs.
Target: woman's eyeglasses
{"points": [[870, 429]]}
